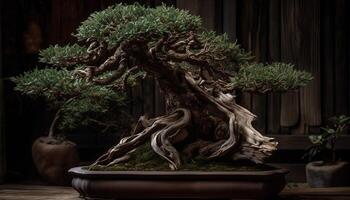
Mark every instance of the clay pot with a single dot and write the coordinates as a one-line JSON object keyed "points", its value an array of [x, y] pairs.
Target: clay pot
{"points": [[53, 159], [178, 184], [320, 174]]}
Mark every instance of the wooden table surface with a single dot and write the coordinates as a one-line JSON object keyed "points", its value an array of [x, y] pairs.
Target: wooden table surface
{"points": [[37, 192]]}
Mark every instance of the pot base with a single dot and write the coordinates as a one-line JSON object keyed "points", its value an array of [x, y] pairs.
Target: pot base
{"points": [[53, 158], [320, 174], [178, 184]]}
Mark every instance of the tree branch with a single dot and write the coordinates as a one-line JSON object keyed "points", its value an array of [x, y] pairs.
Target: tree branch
{"points": [[115, 75], [53, 123]]}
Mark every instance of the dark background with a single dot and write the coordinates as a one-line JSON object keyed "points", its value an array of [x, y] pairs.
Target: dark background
{"points": [[312, 34]]}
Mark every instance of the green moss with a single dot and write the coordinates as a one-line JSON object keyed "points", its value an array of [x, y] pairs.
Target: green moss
{"points": [[145, 159]]}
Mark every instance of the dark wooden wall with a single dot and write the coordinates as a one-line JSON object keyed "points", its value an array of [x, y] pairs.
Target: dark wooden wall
{"points": [[312, 34], [2, 133]]}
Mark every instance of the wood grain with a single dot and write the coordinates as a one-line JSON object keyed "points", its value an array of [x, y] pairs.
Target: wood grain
{"points": [[244, 24], [301, 48], [34, 192], [260, 49], [340, 63], [274, 55], [293, 191], [289, 49], [327, 59], [310, 95], [300, 142], [2, 130], [230, 19]]}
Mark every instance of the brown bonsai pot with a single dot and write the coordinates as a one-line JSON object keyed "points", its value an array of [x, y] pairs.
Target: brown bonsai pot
{"points": [[53, 158], [321, 174], [178, 184]]}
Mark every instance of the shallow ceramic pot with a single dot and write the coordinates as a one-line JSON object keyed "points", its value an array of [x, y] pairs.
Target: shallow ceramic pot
{"points": [[178, 184], [320, 174], [53, 159]]}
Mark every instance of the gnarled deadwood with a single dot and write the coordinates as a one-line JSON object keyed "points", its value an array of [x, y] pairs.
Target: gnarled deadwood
{"points": [[196, 70], [200, 103], [161, 143], [160, 129], [253, 145]]}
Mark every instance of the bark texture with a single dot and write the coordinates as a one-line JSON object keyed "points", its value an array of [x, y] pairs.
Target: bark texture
{"points": [[202, 114]]}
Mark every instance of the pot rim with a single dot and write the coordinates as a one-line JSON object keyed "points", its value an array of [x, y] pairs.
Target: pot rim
{"points": [[321, 163], [251, 175]]}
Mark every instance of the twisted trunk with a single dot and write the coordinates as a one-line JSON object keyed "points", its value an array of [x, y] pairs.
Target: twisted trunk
{"points": [[201, 115]]}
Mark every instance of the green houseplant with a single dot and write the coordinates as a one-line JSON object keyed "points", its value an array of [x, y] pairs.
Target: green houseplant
{"points": [[330, 171], [75, 103], [198, 72]]}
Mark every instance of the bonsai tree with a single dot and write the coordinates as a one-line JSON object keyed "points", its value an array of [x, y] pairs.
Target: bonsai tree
{"points": [[196, 69], [327, 140]]}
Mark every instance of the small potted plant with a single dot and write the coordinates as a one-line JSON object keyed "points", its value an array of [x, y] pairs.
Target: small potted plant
{"points": [[330, 170], [76, 103]]}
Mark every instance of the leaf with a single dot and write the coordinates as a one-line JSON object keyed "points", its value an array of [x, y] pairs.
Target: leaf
{"points": [[315, 139]]}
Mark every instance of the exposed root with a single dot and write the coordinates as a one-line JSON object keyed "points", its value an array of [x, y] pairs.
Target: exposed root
{"points": [[191, 72], [221, 147], [160, 140], [161, 129], [252, 145], [234, 134]]}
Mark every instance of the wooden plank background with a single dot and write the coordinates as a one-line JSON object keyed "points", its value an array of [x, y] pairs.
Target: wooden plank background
{"points": [[2, 134], [312, 34]]}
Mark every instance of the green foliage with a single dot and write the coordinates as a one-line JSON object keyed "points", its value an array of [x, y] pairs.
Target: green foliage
{"points": [[100, 25], [76, 97], [126, 22], [50, 83], [275, 77], [133, 79], [327, 140], [129, 22], [61, 84], [57, 55], [230, 54]]}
